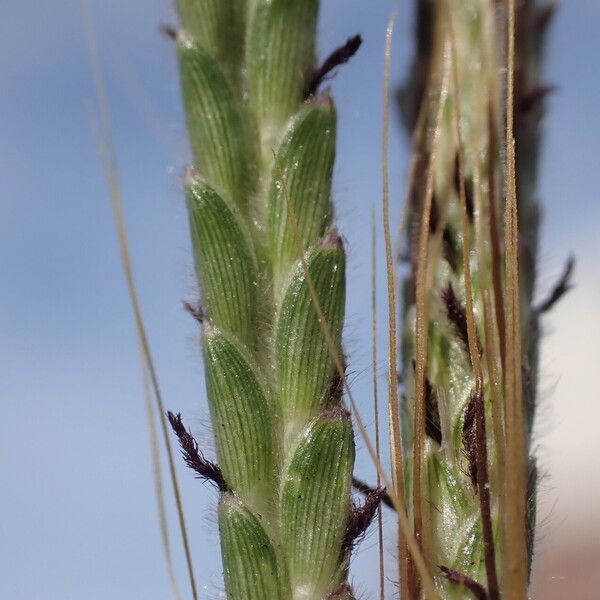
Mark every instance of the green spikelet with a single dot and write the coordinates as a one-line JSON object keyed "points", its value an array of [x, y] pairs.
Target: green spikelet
{"points": [[243, 420], [301, 176], [218, 27], [225, 262], [218, 133], [280, 59], [249, 558], [305, 378], [316, 491]]}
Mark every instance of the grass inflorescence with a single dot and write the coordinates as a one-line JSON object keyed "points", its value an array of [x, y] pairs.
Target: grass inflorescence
{"points": [[470, 327], [271, 269]]}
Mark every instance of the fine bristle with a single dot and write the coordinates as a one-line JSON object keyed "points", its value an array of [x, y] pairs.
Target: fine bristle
{"points": [[193, 457], [361, 518]]}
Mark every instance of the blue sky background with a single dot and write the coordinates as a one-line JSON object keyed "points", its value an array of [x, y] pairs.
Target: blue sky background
{"points": [[78, 516]]}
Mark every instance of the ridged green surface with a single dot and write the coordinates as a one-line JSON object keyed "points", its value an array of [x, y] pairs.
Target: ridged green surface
{"points": [[305, 377], [280, 59], [250, 560], [243, 420], [316, 490], [218, 27], [225, 262], [301, 175], [218, 134]]}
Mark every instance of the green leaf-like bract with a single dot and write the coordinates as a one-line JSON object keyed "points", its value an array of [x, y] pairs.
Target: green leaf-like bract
{"points": [[305, 377], [301, 176], [225, 262], [280, 59], [217, 26], [216, 129], [243, 420], [251, 570], [316, 505]]}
